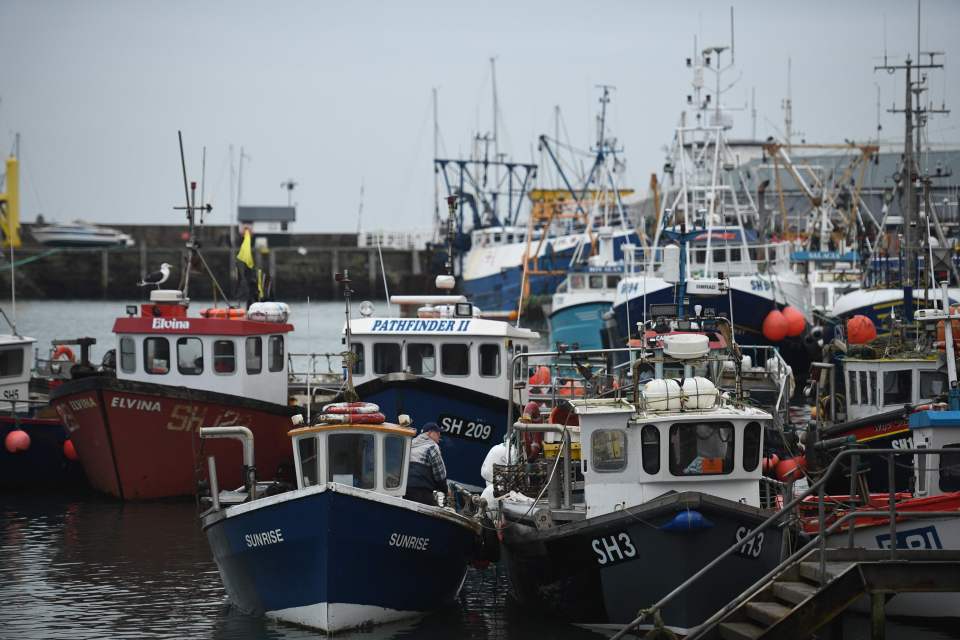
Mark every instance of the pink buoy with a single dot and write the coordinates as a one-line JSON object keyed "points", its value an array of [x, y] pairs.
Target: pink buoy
{"points": [[69, 451], [796, 323], [16, 441]]}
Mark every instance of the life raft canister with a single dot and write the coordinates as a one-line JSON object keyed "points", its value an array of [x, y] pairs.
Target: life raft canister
{"points": [[224, 313]]}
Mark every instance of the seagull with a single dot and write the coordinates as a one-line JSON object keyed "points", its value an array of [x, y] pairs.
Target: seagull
{"points": [[156, 278]]}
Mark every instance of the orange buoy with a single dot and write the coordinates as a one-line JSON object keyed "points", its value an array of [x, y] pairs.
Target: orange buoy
{"points": [[796, 323], [16, 441], [860, 330], [791, 469], [775, 326], [69, 451], [541, 376]]}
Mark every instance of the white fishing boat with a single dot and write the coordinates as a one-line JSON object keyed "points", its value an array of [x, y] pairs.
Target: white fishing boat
{"points": [[80, 234]]}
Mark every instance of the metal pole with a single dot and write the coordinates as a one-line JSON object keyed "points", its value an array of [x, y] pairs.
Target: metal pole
{"points": [[878, 618], [854, 459], [821, 521], [891, 469], [214, 485]]}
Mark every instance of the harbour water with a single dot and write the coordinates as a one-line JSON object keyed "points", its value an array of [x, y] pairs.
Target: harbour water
{"points": [[87, 567]]}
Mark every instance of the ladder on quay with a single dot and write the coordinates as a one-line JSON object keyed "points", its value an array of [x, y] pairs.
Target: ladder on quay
{"points": [[794, 604], [812, 586]]}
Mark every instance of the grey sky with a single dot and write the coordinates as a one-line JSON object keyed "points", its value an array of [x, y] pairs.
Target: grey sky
{"points": [[329, 92]]}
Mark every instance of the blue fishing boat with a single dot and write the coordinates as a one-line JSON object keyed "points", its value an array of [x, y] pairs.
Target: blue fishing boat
{"points": [[440, 361], [344, 548]]}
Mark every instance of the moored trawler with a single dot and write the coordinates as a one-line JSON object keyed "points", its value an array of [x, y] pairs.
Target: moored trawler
{"points": [[135, 428]]}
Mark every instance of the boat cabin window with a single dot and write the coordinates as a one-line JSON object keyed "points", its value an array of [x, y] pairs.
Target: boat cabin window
{"points": [[358, 361], [275, 353], [932, 384], [497, 237], [751, 445], [734, 255], [189, 356], [873, 388], [309, 463], [394, 457], [455, 359], [489, 360], [128, 355], [386, 357], [421, 359], [897, 387], [650, 448], [576, 282], [352, 459], [224, 357], [701, 448], [719, 255], [612, 282], [254, 350], [11, 362], [608, 449], [864, 391], [156, 355], [562, 288], [596, 282], [852, 387], [950, 469]]}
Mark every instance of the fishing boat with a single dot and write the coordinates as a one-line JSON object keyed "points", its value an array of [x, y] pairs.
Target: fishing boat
{"points": [[578, 308], [135, 422], [732, 269], [80, 234], [671, 478], [37, 452], [342, 548]]}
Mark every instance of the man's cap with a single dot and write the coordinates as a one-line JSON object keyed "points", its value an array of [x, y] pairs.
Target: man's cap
{"points": [[430, 426]]}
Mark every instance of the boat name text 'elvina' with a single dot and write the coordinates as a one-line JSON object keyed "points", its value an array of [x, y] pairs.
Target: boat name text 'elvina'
{"points": [[119, 402], [420, 325], [405, 541], [167, 323]]}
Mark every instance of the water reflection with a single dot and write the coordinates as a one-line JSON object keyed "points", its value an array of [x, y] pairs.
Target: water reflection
{"points": [[96, 568]]}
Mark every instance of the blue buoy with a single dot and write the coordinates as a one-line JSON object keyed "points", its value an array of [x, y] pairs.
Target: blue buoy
{"points": [[689, 520]]}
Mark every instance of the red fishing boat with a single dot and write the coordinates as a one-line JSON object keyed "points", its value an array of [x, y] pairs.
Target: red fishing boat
{"points": [[136, 427]]}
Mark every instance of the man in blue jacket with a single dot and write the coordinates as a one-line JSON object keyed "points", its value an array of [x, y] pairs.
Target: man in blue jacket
{"points": [[427, 471]]}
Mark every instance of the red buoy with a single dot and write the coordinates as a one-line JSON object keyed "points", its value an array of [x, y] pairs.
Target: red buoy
{"points": [[775, 326], [860, 330], [796, 323], [16, 441], [69, 451], [791, 469]]}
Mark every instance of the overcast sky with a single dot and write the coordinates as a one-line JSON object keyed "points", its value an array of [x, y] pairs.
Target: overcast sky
{"points": [[334, 93]]}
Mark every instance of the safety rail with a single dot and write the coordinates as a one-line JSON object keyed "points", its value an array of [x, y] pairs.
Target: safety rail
{"points": [[823, 530], [729, 258]]}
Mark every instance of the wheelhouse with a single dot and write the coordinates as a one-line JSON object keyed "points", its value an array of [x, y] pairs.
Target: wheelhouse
{"points": [[447, 343], [874, 386], [630, 457], [16, 364], [228, 354], [372, 457]]}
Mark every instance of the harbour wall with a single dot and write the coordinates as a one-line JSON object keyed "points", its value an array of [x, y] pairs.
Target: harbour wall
{"points": [[299, 266]]}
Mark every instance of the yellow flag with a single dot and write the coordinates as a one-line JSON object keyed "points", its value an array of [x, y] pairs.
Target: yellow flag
{"points": [[245, 255]]}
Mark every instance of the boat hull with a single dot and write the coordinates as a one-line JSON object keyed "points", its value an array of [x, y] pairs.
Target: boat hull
{"points": [[601, 571], [582, 324], [878, 304], [44, 464], [140, 441], [471, 421], [934, 534], [335, 557]]}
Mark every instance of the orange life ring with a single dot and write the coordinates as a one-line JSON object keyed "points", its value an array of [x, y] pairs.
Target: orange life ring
{"points": [[351, 407], [352, 418], [224, 313], [63, 351]]}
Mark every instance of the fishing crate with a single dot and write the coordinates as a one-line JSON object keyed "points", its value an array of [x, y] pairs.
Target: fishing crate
{"points": [[528, 478]]}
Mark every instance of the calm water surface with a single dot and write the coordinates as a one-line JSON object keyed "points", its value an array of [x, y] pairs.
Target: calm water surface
{"points": [[86, 567]]}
